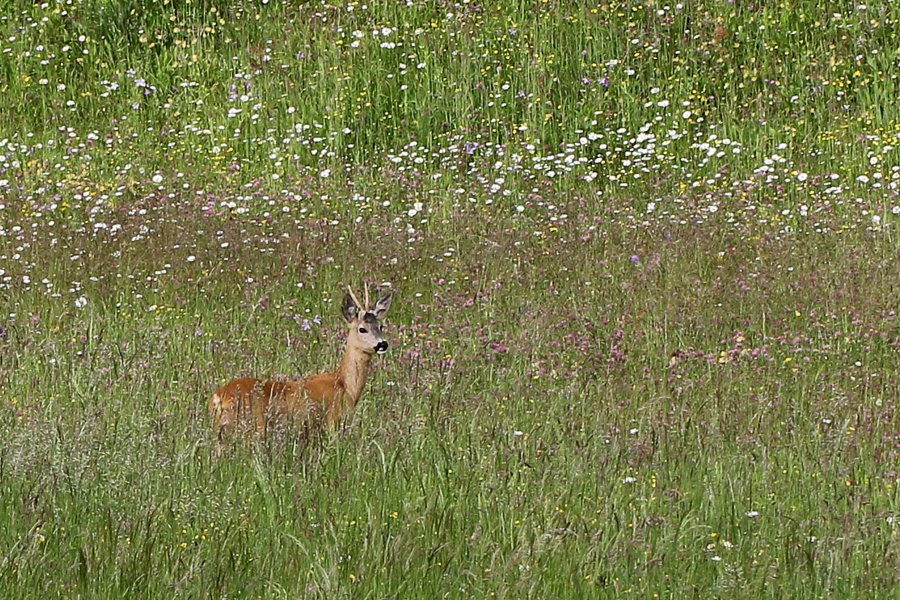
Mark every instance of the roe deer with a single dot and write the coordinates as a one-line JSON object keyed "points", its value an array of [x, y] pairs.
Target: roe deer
{"points": [[329, 395]]}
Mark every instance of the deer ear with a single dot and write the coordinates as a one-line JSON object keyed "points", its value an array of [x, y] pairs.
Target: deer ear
{"points": [[383, 304], [349, 308]]}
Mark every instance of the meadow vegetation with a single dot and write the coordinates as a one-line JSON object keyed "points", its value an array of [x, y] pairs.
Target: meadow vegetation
{"points": [[644, 338]]}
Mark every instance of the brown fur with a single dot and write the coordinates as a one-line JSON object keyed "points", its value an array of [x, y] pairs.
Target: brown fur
{"points": [[327, 397]]}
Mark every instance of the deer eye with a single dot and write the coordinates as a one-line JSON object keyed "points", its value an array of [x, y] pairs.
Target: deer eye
{"points": [[363, 330]]}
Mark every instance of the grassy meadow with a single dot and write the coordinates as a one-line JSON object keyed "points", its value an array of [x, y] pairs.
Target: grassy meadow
{"points": [[644, 338]]}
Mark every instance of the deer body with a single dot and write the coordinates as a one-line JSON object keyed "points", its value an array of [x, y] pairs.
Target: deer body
{"points": [[328, 396]]}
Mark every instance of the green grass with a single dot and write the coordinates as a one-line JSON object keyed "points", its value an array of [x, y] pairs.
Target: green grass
{"points": [[635, 352], [509, 72]]}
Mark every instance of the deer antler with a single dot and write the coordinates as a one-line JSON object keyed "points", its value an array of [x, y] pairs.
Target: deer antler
{"points": [[366, 309], [355, 299]]}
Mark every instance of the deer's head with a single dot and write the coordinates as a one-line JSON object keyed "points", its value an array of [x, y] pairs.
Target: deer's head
{"points": [[365, 322]]}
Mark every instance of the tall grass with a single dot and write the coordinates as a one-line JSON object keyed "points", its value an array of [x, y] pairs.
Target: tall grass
{"points": [[645, 335], [508, 72]]}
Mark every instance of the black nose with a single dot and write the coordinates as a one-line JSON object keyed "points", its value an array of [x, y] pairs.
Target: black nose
{"points": [[382, 346]]}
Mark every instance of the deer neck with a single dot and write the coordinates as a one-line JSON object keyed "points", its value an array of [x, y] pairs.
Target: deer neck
{"points": [[353, 371]]}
